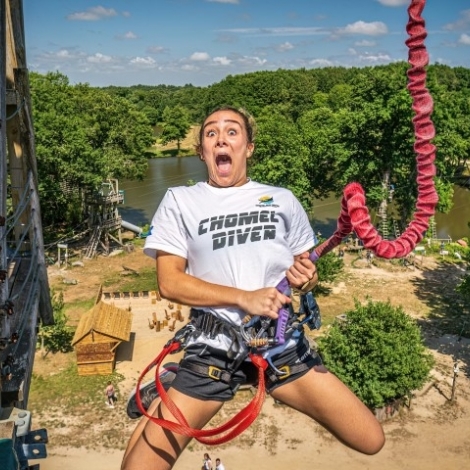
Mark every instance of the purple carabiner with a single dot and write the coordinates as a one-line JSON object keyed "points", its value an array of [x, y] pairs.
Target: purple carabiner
{"points": [[283, 317]]}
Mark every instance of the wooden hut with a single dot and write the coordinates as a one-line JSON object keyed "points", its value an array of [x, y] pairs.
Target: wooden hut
{"points": [[99, 333]]}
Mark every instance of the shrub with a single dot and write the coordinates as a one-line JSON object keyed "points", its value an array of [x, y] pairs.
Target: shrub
{"points": [[378, 352]]}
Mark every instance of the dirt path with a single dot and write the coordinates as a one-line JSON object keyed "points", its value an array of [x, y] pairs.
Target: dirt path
{"points": [[433, 434]]}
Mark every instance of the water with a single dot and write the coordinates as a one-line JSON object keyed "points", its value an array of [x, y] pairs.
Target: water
{"points": [[142, 198]]}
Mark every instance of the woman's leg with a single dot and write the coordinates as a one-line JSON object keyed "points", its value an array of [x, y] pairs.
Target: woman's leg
{"points": [[152, 447], [322, 396]]}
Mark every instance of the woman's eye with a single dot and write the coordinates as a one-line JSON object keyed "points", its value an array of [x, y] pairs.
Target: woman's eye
{"points": [[232, 132], [210, 133]]}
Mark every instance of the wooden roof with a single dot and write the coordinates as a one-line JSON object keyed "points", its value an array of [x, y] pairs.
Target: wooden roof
{"points": [[105, 319]]}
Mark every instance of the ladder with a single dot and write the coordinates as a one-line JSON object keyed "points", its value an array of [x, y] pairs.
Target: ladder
{"points": [[93, 243]]}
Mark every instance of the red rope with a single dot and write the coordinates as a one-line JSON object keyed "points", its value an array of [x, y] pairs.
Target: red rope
{"points": [[354, 213], [227, 431]]}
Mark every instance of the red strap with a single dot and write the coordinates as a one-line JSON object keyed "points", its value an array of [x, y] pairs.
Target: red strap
{"points": [[230, 429]]}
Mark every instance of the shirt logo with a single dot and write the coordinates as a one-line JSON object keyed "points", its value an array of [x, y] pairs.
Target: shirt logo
{"points": [[266, 201]]}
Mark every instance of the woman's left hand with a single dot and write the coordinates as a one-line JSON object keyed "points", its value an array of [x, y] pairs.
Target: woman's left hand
{"points": [[303, 272]]}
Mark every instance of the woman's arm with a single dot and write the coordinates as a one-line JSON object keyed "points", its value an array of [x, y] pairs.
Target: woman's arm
{"points": [[176, 285]]}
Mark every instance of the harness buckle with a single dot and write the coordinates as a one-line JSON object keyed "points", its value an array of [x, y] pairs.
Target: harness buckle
{"points": [[286, 370], [214, 373], [181, 337]]}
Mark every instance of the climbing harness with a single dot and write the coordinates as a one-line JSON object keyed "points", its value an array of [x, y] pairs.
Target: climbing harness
{"points": [[265, 337]]}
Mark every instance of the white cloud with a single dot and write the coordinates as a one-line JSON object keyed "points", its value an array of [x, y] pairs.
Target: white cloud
{"points": [[143, 61], [365, 43], [394, 3], [130, 35], [156, 49], [64, 53], [189, 68], [99, 58], [464, 39], [321, 63], [286, 46], [352, 51], [281, 31], [252, 60], [93, 14], [222, 60], [375, 58], [200, 56], [461, 23], [361, 27]]}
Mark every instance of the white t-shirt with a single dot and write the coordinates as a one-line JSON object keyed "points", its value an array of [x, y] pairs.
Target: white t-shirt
{"points": [[244, 237]]}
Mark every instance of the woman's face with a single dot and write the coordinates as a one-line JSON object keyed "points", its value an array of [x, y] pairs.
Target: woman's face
{"points": [[225, 148]]}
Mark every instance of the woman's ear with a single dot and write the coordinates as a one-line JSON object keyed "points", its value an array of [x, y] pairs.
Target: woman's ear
{"points": [[250, 150]]}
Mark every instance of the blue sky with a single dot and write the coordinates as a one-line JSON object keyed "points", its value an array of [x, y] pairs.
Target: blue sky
{"points": [[176, 42]]}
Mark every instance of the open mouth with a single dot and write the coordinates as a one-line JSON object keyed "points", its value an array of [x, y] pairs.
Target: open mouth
{"points": [[223, 162]]}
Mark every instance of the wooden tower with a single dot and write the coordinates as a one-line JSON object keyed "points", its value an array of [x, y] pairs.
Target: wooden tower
{"points": [[103, 216]]}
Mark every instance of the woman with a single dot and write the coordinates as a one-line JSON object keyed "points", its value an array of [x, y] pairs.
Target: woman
{"points": [[206, 463], [220, 246]]}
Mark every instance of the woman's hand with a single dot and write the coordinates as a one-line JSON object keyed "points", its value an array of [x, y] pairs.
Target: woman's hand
{"points": [[263, 302], [303, 273]]}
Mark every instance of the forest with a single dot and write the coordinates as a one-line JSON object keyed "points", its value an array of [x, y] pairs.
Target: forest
{"points": [[317, 130]]}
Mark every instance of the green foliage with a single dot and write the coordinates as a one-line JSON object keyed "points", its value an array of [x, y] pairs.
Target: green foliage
{"points": [[329, 267], [58, 337], [176, 124], [319, 129], [378, 352], [464, 287], [83, 136]]}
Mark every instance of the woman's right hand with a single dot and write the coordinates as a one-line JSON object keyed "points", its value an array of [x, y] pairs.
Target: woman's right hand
{"points": [[264, 302]]}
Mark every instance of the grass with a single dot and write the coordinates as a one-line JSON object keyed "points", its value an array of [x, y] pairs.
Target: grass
{"points": [[73, 409], [145, 280], [47, 392]]}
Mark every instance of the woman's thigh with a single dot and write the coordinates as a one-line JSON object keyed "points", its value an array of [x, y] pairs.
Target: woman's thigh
{"points": [[322, 396], [153, 447]]}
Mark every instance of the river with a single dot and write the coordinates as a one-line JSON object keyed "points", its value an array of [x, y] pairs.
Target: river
{"points": [[142, 198]]}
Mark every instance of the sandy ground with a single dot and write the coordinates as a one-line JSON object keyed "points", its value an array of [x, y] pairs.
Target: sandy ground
{"points": [[433, 434]]}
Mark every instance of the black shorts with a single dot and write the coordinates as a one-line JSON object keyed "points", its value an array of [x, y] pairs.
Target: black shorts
{"points": [[198, 383]]}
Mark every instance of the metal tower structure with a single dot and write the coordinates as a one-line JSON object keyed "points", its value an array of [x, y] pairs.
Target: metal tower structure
{"points": [[24, 289]]}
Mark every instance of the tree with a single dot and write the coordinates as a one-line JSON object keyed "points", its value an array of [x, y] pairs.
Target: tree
{"points": [[176, 125], [57, 337], [83, 136], [378, 352]]}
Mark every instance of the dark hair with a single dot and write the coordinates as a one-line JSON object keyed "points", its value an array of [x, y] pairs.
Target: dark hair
{"points": [[248, 121]]}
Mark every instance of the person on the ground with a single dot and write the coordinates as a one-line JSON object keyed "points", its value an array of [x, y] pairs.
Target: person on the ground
{"points": [[219, 465], [221, 246], [206, 462], [110, 393]]}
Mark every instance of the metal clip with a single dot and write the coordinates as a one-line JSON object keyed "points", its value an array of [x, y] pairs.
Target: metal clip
{"points": [[181, 337], [309, 307]]}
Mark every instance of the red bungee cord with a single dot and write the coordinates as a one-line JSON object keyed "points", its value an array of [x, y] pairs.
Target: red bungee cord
{"points": [[354, 213], [354, 216]]}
